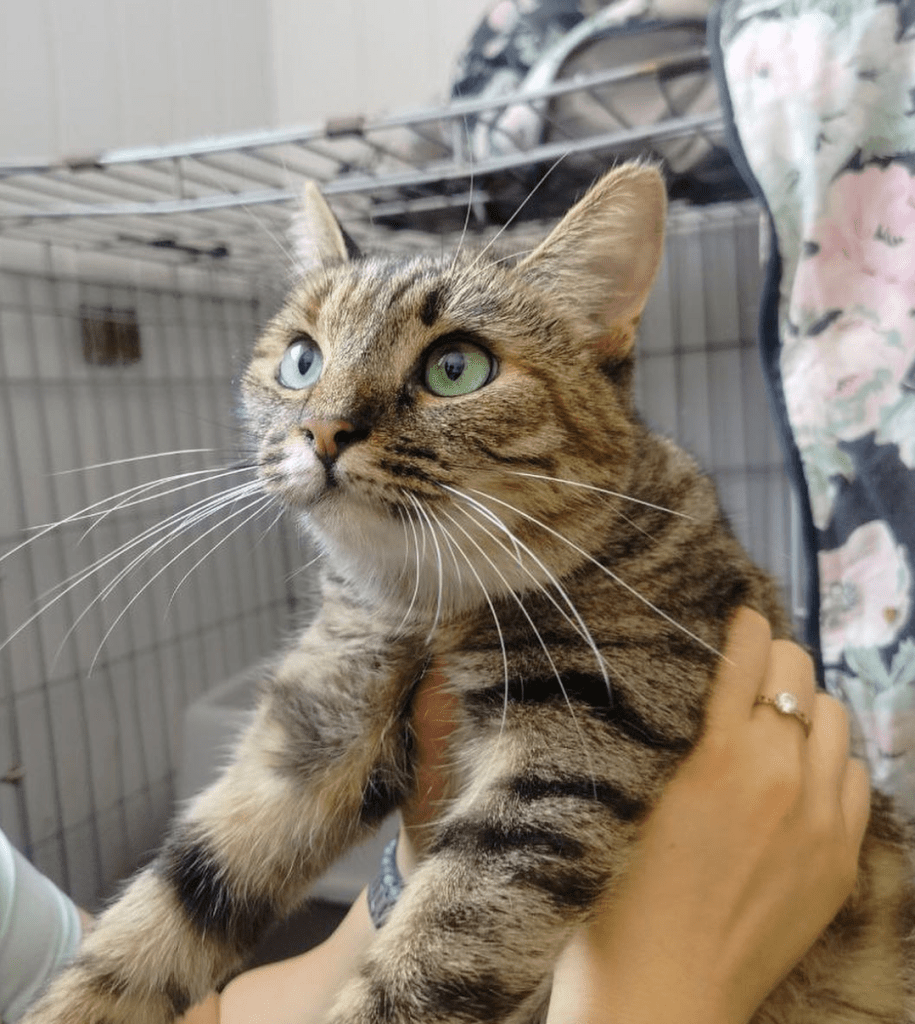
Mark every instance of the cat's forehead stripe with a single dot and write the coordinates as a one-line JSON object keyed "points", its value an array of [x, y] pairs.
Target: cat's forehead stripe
{"points": [[398, 293], [380, 281], [312, 300], [432, 306]]}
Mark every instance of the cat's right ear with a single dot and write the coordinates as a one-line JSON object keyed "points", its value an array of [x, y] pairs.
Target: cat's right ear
{"points": [[599, 262], [318, 240]]}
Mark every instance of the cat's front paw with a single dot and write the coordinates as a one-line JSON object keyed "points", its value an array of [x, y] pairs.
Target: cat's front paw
{"points": [[76, 998], [446, 996]]}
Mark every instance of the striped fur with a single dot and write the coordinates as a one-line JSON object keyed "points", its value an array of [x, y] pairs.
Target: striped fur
{"points": [[573, 574]]}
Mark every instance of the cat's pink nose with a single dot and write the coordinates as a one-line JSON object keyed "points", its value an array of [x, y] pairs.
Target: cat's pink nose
{"points": [[330, 437]]}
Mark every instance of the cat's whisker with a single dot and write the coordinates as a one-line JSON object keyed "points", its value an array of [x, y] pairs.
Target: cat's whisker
{"points": [[601, 490], [402, 516], [470, 186], [122, 499], [575, 620], [174, 526], [67, 587], [441, 574], [133, 458], [259, 503], [61, 590], [449, 540], [492, 609], [150, 531], [512, 257], [546, 174], [44, 529], [261, 507], [613, 494], [259, 222], [496, 521], [540, 640], [284, 249], [144, 489], [215, 505], [608, 572], [271, 526], [303, 568], [635, 526], [416, 555], [184, 523], [419, 549]]}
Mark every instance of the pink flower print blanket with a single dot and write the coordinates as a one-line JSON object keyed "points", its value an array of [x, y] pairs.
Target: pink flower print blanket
{"points": [[820, 100]]}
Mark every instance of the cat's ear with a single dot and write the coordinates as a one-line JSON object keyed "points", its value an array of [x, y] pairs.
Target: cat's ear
{"points": [[601, 259], [318, 240]]}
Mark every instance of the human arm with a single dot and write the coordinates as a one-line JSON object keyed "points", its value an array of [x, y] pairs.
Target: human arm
{"points": [[748, 856]]}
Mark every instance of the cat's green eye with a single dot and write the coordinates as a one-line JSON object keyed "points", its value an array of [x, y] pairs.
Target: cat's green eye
{"points": [[458, 368], [301, 365]]}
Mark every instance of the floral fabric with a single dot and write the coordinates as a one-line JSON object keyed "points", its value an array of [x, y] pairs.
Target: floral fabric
{"points": [[821, 99]]}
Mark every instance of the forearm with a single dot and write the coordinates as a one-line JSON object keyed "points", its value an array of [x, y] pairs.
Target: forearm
{"points": [[297, 991]]}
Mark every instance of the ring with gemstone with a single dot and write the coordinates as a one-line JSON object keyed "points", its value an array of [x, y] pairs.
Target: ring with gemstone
{"points": [[786, 703]]}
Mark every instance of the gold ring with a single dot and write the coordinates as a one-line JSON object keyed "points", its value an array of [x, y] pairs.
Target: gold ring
{"points": [[786, 704]]}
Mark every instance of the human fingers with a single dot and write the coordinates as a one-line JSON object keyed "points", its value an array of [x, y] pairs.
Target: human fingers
{"points": [[742, 668], [840, 782], [434, 714], [856, 800], [829, 741], [734, 875], [788, 689]]}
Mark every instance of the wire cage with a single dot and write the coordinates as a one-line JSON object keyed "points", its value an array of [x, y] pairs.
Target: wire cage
{"points": [[134, 281]]}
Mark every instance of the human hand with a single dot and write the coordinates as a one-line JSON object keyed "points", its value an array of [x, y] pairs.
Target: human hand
{"points": [[749, 854], [434, 714]]}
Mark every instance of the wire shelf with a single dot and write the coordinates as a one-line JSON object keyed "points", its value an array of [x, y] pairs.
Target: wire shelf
{"points": [[229, 199]]}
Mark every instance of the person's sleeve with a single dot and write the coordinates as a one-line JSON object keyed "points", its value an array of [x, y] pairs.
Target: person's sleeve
{"points": [[39, 931]]}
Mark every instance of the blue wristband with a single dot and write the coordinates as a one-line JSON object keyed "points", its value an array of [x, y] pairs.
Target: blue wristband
{"points": [[386, 886]]}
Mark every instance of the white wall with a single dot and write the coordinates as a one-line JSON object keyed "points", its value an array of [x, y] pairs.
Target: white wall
{"points": [[78, 76], [362, 56]]}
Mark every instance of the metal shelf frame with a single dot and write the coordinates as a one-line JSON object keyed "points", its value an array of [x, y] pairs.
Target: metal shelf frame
{"points": [[229, 199]]}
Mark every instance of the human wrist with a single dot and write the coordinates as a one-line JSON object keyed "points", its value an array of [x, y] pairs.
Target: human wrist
{"points": [[599, 980], [407, 857]]}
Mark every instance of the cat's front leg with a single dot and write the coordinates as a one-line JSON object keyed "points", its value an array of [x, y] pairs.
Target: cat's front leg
{"points": [[325, 759], [544, 825]]}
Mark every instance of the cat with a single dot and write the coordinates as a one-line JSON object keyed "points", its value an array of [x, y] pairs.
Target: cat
{"points": [[458, 436]]}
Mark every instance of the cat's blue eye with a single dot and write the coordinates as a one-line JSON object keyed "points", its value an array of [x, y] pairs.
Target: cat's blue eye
{"points": [[301, 365], [458, 368]]}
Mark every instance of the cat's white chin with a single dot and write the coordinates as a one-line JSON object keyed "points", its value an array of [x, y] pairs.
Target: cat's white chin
{"points": [[423, 579], [379, 554]]}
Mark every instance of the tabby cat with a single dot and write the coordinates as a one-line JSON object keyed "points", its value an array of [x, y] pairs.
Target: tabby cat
{"points": [[459, 437]]}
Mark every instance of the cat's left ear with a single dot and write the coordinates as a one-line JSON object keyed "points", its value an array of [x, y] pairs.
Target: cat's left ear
{"points": [[318, 239], [600, 261]]}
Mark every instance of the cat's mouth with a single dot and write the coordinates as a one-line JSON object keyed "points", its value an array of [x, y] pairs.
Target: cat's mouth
{"points": [[298, 478], [330, 477]]}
